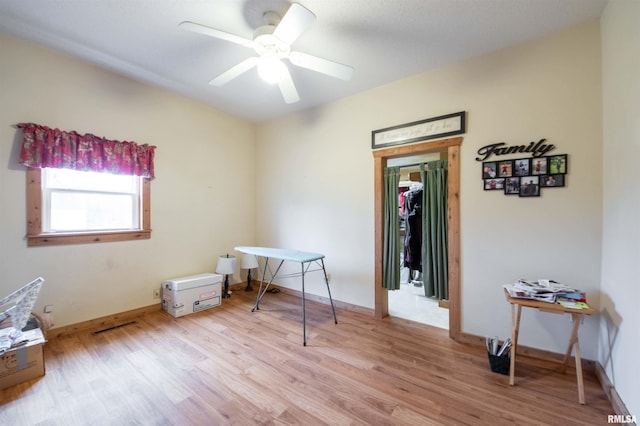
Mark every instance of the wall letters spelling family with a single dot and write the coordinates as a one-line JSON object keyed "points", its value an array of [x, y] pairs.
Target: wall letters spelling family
{"points": [[524, 176], [537, 149]]}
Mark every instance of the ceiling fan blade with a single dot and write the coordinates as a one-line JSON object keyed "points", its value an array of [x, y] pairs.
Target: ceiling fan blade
{"points": [[297, 19], [325, 66], [223, 35], [288, 89], [234, 72]]}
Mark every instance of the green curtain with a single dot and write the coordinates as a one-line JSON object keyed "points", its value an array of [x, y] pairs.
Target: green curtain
{"points": [[391, 249], [434, 229]]}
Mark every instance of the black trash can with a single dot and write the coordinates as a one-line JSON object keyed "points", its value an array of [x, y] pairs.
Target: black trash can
{"points": [[499, 364]]}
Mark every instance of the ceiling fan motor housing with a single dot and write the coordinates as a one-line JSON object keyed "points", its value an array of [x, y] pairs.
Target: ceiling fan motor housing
{"points": [[267, 44]]}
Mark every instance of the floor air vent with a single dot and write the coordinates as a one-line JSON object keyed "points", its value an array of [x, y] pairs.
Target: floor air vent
{"points": [[114, 327]]}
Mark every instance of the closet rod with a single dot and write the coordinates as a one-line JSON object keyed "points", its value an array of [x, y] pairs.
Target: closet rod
{"points": [[411, 165]]}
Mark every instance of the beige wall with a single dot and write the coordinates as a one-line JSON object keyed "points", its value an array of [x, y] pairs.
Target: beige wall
{"points": [[202, 199], [314, 181], [317, 178], [619, 335]]}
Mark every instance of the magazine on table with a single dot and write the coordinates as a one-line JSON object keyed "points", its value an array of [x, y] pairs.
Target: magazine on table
{"points": [[572, 303]]}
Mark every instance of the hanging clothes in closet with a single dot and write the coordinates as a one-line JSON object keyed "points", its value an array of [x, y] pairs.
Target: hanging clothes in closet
{"points": [[402, 198], [413, 231]]}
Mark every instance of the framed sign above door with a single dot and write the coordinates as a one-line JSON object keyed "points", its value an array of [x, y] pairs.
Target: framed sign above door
{"points": [[431, 128]]}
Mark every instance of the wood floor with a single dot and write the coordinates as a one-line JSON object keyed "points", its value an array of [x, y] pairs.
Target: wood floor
{"points": [[228, 365]]}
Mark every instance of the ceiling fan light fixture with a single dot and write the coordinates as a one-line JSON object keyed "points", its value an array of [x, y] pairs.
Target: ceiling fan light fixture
{"points": [[272, 43], [271, 69]]}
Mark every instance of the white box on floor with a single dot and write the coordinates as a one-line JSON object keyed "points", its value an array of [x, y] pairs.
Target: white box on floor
{"points": [[195, 293]]}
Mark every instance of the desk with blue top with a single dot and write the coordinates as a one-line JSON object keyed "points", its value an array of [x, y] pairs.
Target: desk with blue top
{"points": [[305, 259]]}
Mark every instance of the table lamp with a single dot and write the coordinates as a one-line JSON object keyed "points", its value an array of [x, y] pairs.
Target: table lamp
{"points": [[249, 262], [226, 266]]}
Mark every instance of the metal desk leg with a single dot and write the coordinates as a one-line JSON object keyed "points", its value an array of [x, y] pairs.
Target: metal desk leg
{"points": [[326, 280], [261, 291], [264, 271], [304, 318]]}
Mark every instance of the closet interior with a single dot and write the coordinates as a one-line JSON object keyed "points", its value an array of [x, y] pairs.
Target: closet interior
{"points": [[410, 301]]}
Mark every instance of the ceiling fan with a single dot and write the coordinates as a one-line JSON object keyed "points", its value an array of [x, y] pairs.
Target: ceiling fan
{"points": [[272, 43]]}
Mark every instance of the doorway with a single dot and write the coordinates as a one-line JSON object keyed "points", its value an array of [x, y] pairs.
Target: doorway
{"points": [[412, 301], [381, 157]]}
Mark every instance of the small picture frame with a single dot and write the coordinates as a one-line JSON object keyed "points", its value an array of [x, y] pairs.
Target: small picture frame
{"points": [[505, 168], [512, 186], [494, 184], [521, 167], [489, 170], [539, 166], [529, 186], [552, 181], [557, 164]]}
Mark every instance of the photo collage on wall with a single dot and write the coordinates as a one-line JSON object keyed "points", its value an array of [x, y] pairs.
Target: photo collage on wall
{"points": [[525, 177]]}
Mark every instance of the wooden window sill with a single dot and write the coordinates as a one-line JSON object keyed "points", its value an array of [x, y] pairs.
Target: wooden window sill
{"points": [[86, 237]]}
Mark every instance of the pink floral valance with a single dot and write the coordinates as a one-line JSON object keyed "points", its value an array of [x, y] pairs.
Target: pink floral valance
{"points": [[45, 147]]}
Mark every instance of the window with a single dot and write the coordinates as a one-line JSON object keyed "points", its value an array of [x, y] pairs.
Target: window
{"points": [[75, 201], [70, 207]]}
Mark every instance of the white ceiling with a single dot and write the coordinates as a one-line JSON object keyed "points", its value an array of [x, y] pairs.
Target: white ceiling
{"points": [[383, 40]]}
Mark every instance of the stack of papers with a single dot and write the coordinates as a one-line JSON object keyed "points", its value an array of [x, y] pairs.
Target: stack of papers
{"points": [[540, 290], [544, 286], [10, 337]]}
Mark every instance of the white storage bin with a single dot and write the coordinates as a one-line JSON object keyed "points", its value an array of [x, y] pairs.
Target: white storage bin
{"points": [[195, 293]]}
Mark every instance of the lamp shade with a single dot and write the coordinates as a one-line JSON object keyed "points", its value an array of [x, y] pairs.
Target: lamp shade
{"points": [[249, 261], [226, 265]]}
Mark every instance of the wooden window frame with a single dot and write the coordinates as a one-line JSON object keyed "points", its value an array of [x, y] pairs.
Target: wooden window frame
{"points": [[35, 236]]}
